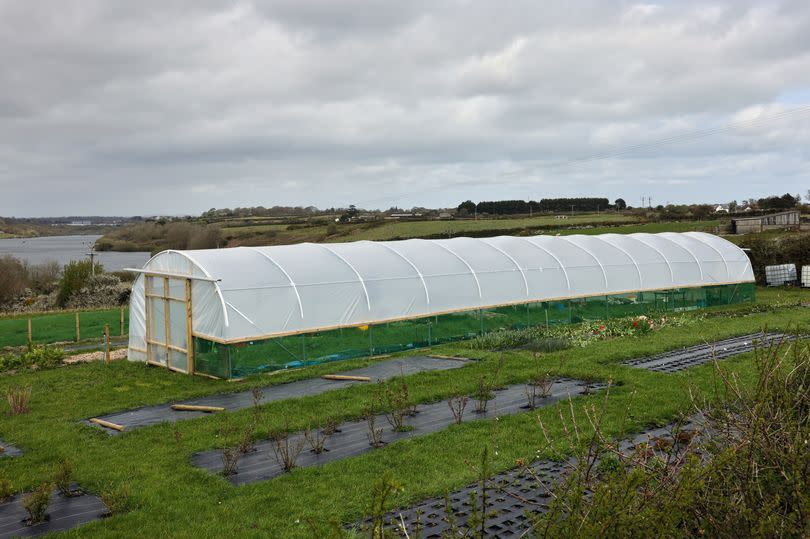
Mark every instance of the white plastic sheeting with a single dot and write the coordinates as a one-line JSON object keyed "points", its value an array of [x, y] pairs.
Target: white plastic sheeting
{"points": [[270, 291]]}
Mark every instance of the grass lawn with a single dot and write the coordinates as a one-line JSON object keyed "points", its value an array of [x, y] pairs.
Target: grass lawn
{"points": [[173, 498], [60, 327]]}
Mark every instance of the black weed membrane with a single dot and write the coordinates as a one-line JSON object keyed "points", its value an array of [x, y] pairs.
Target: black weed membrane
{"points": [[62, 513], [736, 467], [382, 370], [267, 459], [8, 450], [504, 504], [683, 358]]}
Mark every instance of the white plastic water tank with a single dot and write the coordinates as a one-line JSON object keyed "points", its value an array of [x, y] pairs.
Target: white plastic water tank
{"points": [[806, 276], [780, 274]]}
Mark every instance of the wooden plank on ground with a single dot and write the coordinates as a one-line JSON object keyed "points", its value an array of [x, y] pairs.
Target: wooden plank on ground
{"points": [[108, 424], [454, 358], [196, 408], [346, 377]]}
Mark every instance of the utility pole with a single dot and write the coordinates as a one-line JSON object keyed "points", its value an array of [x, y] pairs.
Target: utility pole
{"points": [[92, 256], [572, 210]]}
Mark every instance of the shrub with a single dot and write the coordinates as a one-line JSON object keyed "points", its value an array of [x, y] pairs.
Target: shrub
{"points": [[74, 278], [483, 394], [316, 438], [531, 392], [382, 489], [543, 382], [39, 356], [330, 426], [18, 399], [546, 345], [396, 394], [767, 252], [6, 490], [457, 405], [286, 449], [116, 498], [230, 460], [63, 477], [44, 277], [747, 477], [374, 433], [36, 503], [247, 441], [207, 237], [44, 356], [13, 279]]}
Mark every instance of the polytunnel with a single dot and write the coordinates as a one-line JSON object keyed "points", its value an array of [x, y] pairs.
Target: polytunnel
{"points": [[231, 312]]}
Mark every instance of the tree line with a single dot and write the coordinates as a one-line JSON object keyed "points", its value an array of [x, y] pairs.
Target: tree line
{"points": [[507, 207]]}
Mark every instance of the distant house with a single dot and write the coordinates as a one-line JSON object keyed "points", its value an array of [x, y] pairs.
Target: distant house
{"points": [[445, 216], [721, 208], [787, 220]]}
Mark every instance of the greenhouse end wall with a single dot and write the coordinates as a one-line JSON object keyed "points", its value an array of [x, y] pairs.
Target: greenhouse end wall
{"points": [[242, 359]]}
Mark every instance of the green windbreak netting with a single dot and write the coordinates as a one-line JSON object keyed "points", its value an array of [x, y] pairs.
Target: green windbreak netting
{"points": [[242, 359]]}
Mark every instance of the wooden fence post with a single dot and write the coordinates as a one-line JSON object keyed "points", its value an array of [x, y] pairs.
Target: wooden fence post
{"points": [[107, 344], [78, 332], [122, 321], [30, 339]]}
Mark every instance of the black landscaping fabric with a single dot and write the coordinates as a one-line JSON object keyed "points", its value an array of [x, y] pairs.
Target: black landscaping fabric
{"points": [[512, 496], [352, 439], [64, 513], [381, 370], [684, 358], [9, 450]]}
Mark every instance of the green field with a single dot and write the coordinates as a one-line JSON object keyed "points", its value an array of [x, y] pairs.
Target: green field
{"points": [[60, 327], [276, 234], [171, 498]]}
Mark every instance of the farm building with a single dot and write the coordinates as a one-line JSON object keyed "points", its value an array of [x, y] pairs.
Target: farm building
{"points": [[232, 312], [761, 223]]}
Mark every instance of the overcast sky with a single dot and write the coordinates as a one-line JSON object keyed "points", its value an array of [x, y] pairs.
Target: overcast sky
{"points": [[172, 106]]}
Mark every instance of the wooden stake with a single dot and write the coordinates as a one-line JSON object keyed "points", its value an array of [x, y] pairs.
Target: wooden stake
{"points": [[78, 332], [108, 424], [196, 408], [346, 377], [107, 344], [166, 313], [454, 358], [122, 321], [30, 340], [189, 330]]}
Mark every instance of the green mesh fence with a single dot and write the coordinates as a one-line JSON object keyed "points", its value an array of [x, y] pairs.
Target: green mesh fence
{"points": [[239, 360]]}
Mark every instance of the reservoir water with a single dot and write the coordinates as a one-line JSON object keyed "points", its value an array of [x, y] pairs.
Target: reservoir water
{"points": [[63, 249]]}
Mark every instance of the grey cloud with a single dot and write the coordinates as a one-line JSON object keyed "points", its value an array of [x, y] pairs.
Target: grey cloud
{"points": [[175, 106]]}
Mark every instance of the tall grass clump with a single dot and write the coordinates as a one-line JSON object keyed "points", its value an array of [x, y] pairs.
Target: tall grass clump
{"points": [[747, 476], [18, 399]]}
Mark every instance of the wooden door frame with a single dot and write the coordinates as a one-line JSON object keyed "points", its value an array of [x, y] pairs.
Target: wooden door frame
{"points": [[167, 299]]}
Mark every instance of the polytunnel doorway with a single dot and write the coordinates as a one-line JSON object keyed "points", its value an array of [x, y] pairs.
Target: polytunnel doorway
{"points": [[168, 323]]}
